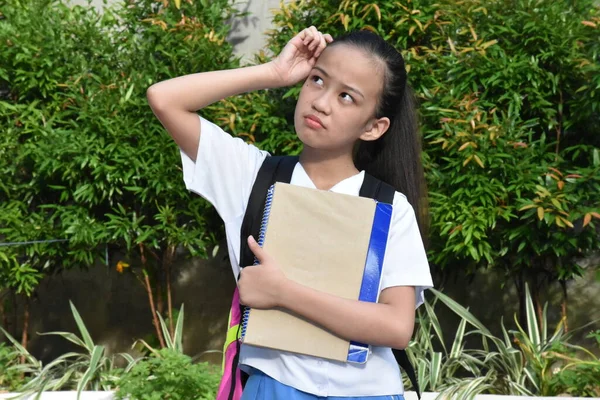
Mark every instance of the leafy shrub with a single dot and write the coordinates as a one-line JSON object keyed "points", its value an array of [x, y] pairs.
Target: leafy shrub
{"points": [[526, 361], [10, 379], [82, 157], [510, 120], [90, 369], [169, 374], [579, 374]]}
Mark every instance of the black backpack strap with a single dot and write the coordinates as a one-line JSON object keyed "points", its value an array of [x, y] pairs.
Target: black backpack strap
{"points": [[376, 189], [404, 362], [273, 169]]}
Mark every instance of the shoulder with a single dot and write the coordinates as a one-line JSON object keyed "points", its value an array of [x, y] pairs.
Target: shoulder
{"points": [[401, 204]]}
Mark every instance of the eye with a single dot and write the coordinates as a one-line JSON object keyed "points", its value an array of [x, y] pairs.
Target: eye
{"points": [[317, 79], [347, 98]]}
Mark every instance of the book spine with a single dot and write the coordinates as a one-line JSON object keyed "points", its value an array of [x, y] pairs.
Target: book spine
{"points": [[369, 290], [261, 241]]}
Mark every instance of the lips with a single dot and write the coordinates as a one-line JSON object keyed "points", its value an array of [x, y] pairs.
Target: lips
{"points": [[313, 121]]}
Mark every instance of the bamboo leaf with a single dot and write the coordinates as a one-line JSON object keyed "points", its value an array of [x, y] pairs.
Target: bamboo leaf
{"points": [[540, 213], [458, 339], [462, 312], [527, 207], [71, 337], [165, 330], [587, 219], [488, 44], [435, 323], [179, 331], [533, 329], [130, 91], [435, 370], [18, 346], [532, 379], [97, 354], [567, 222], [87, 339]]}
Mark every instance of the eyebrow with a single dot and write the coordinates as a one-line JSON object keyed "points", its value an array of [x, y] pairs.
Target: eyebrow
{"points": [[349, 88]]}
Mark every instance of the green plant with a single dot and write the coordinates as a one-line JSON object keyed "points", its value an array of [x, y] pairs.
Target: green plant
{"points": [[461, 371], [579, 372], [82, 157], [10, 380], [170, 374], [525, 361], [91, 369], [173, 340]]}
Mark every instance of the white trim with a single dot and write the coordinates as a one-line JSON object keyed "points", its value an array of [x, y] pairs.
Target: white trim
{"points": [[408, 396]]}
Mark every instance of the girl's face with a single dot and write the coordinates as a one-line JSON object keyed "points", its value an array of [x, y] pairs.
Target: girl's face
{"points": [[337, 103]]}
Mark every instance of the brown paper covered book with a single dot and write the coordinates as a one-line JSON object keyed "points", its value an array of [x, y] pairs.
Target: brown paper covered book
{"points": [[330, 242]]}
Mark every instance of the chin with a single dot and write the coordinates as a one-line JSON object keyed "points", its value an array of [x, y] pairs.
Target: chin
{"points": [[301, 131]]}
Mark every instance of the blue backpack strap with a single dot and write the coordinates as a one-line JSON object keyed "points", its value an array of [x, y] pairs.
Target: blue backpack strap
{"points": [[376, 189]]}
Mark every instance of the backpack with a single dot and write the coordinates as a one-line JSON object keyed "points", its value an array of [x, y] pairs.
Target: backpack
{"points": [[279, 169]]}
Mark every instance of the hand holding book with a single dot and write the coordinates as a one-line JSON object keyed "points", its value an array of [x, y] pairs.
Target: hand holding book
{"points": [[261, 285]]}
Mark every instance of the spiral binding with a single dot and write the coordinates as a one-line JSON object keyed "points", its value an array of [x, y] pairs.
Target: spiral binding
{"points": [[261, 240]]}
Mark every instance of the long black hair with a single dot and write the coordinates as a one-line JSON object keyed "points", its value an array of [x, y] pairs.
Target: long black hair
{"points": [[395, 157]]}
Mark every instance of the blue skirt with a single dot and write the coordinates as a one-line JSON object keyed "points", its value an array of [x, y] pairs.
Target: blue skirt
{"points": [[262, 387]]}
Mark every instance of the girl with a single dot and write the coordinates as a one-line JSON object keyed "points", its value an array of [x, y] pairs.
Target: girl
{"points": [[355, 113]]}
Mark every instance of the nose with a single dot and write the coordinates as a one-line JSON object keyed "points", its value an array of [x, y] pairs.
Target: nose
{"points": [[322, 103]]}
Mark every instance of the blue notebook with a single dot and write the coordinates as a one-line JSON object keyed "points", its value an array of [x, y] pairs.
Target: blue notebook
{"points": [[328, 241]]}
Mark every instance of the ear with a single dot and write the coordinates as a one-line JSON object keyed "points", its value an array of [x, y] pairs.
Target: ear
{"points": [[375, 129]]}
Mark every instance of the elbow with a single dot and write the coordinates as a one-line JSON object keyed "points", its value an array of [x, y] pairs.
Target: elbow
{"points": [[156, 99], [401, 336], [402, 342]]}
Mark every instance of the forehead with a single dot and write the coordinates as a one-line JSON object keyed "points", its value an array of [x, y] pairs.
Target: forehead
{"points": [[351, 66]]}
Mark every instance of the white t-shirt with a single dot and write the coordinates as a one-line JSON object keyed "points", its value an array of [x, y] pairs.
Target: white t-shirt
{"points": [[224, 173]]}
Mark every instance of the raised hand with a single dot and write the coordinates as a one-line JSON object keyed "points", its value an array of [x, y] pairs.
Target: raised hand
{"points": [[300, 55]]}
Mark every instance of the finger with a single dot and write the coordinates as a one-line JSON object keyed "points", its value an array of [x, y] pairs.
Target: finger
{"points": [[307, 35], [316, 38], [322, 45], [258, 252], [328, 38]]}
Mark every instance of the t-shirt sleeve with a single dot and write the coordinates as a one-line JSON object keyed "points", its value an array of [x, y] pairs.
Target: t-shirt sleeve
{"points": [[405, 262], [224, 171]]}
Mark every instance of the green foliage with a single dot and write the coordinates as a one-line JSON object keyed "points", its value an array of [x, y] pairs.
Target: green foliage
{"points": [[169, 374], [173, 341], [509, 110], [91, 369], [578, 377], [10, 380], [82, 157], [525, 361]]}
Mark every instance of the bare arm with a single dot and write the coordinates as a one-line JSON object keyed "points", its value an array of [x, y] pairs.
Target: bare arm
{"points": [[389, 323], [175, 101]]}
